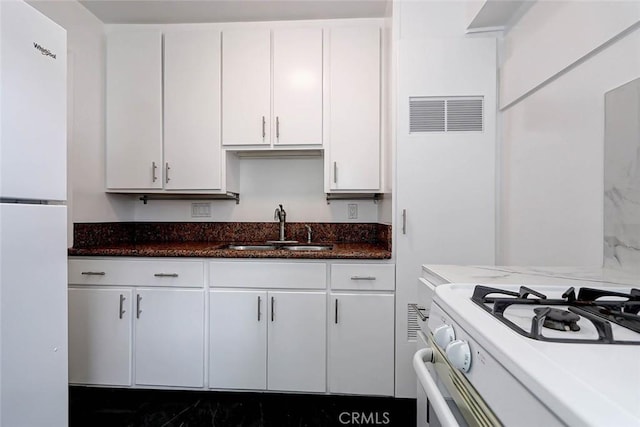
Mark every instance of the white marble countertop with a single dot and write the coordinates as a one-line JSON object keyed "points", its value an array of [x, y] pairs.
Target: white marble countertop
{"points": [[572, 276]]}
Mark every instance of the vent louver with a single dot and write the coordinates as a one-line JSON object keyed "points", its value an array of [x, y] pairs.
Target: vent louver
{"points": [[412, 324], [426, 115], [446, 114]]}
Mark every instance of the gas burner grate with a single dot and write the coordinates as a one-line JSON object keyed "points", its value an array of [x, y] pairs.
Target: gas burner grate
{"points": [[588, 304]]}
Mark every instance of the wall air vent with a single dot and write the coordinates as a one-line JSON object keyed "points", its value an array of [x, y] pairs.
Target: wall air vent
{"points": [[426, 115], [412, 324], [446, 114]]}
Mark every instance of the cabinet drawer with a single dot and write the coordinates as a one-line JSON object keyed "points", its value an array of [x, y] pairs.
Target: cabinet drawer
{"points": [[240, 274], [379, 277], [136, 273]]}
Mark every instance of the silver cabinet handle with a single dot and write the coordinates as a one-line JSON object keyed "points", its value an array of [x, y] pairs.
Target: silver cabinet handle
{"points": [[336, 319], [122, 312], [154, 167], [335, 172], [264, 128], [138, 310], [166, 173], [166, 275], [259, 304], [404, 221], [273, 303], [363, 277], [93, 273], [419, 311], [277, 127]]}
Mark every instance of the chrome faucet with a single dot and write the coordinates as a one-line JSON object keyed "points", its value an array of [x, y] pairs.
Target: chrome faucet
{"points": [[308, 233], [281, 216]]}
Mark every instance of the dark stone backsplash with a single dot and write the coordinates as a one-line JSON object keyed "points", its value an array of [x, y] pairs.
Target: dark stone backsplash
{"points": [[88, 235]]}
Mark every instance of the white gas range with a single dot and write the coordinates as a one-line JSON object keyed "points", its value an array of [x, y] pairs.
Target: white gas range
{"points": [[497, 353]]}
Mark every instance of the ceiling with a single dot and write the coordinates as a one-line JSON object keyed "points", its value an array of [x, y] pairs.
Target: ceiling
{"points": [[189, 11]]}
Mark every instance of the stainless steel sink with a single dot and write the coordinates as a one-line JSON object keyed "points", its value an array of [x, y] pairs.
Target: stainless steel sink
{"points": [[276, 247], [252, 247], [308, 247]]}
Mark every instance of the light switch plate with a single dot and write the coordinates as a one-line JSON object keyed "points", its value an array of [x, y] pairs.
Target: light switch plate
{"points": [[353, 210]]}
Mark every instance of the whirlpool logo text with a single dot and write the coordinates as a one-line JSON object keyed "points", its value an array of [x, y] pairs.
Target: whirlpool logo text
{"points": [[44, 51], [364, 418]]}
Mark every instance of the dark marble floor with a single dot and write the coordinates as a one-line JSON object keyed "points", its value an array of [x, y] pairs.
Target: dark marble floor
{"points": [[103, 407]]}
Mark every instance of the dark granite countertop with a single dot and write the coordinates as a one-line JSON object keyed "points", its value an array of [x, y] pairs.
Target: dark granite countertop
{"points": [[219, 250], [209, 240]]}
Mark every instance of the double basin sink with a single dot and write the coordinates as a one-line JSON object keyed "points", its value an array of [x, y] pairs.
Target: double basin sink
{"points": [[277, 246]]}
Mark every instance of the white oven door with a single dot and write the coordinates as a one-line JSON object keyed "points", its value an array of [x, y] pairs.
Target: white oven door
{"points": [[446, 398], [435, 407]]}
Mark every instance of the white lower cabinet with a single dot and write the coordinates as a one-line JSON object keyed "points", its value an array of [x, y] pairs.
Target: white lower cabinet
{"points": [[238, 339], [100, 336], [296, 357], [169, 345], [273, 340], [271, 325], [361, 343]]}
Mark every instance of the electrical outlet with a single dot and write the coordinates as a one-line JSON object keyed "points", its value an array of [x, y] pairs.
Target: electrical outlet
{"points": [[200, 210], [353, 210]]}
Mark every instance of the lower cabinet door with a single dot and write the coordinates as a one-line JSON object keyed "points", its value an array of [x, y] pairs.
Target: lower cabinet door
{"points": [[169, 348], [100, 336], [238, 339], [296, 356], [361, 343]]}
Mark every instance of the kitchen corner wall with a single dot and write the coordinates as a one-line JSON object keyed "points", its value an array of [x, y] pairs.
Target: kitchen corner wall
{"points": [[622, 178], [559, 61], [86, 198]]}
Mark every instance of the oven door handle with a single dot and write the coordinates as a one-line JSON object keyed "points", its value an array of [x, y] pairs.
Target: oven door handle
{"points": [[438, 403]]}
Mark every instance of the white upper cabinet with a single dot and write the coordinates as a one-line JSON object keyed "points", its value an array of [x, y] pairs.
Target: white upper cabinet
{"points": [[353, 160], [134, 110], [249, 90], [297, 86], [246, 87], [192, 152]]}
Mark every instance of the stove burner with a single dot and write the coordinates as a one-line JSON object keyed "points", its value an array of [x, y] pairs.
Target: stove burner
{"points": [[589, 304], [560, 320]]}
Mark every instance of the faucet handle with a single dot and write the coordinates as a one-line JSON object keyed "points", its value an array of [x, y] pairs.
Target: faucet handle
{"points": [[308, 233]]}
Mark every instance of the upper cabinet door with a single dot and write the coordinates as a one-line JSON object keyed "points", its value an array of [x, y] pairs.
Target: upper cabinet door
{"points": [[246, 87], [192, 151], [354, 118], [134, 110], [297, 86]]}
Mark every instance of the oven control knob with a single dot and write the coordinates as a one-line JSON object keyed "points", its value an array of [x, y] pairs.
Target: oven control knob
{"points": [[459, 355], [443, 335]]}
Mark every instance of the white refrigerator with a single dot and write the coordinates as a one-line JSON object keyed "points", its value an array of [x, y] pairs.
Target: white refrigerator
{"points": [[33, 219]]}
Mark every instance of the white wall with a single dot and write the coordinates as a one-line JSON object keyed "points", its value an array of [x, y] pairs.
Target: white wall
{"points": [[85, 41], [552, 167], [296, 183]]}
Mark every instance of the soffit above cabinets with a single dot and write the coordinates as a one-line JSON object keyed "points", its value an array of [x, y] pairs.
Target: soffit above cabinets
{"points": [[498, 15], [188, 11]]}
